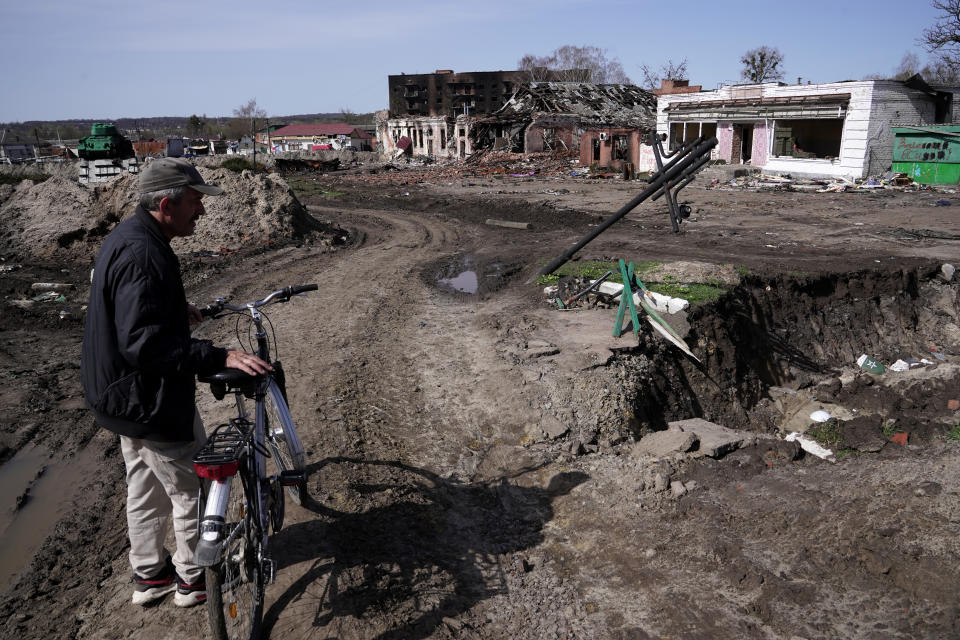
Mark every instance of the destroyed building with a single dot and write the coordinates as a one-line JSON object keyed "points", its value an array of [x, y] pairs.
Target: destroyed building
{"points": [[604, 124], [839, 129], [429, 110]]}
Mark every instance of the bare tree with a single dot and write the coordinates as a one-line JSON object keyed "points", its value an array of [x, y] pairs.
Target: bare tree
{"points": [[245, 118], [937, 70], [762, 64], [909, 66], [670, 70], [943, 38], [574, 64]]}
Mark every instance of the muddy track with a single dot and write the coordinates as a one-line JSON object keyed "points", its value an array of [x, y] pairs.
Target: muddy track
{"points": [[472, 470]]}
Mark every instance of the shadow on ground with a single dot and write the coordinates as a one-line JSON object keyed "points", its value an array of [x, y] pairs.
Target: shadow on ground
{"points": [[400, 544]]}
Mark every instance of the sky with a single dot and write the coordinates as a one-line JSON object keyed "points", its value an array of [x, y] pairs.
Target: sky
{"points": [[108, 59]]}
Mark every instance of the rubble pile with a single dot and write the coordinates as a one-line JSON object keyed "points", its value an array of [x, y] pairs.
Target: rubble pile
{"points": [[765, 182], [64, 220]]}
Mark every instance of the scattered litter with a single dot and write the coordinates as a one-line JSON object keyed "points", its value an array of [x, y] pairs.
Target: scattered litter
{"points": [[810, 446], [9, 267], [953, 405], [49, 296], [820, 416], [899, 365], [936, 353], [869, 364], [65, 313], [900, 438], [51, 286], [943, 203], [948, 270]]}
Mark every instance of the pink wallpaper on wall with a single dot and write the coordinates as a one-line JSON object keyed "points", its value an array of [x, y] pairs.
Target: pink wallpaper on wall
{"points": [[725, 141], [759, 151]]}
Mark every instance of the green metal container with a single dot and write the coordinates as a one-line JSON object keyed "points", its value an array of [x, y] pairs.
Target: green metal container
{"points": [[930, 154]]}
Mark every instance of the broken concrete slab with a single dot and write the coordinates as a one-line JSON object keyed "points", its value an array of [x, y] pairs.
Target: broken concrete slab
{"points": [[715, 440], [664, 443]]}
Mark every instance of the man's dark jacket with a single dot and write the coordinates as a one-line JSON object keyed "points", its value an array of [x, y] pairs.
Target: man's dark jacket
{"points": [[139, 361]]}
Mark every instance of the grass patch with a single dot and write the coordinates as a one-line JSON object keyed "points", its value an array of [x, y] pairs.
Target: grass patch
{"points": [[828, 434], [237, 165], [593, 269], [695, 293], [889, 428], [9, 178], [954, 434], [330, 194]]}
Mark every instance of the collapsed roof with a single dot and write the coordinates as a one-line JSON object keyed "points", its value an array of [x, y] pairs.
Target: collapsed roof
{"points": [[623, 105]]}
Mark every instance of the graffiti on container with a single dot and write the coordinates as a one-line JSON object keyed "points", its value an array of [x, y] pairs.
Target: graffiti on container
{"points": [[922, 151]]}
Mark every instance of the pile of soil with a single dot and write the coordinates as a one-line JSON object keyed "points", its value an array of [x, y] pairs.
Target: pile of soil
{"points": [[63, 219]]}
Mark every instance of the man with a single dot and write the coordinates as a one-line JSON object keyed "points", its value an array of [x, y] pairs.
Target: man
{"points": [[138, 368]]}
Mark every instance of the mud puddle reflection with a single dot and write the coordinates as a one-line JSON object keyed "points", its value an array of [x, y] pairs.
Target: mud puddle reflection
{"points": [[468, 274], [38, 490]]}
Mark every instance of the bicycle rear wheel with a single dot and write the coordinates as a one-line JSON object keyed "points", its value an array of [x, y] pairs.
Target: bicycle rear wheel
{"points": [[235, 585], [283, 439]]}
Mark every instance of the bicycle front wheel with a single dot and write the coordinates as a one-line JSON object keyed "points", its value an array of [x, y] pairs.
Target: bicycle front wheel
{"points": [[283, 439], [235, 585]]}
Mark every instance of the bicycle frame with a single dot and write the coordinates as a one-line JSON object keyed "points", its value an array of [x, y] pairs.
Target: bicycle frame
{"points": [[252, 455]]}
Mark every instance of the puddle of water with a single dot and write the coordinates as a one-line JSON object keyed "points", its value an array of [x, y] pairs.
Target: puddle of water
{"points": [[23, 530], [466, 282]]}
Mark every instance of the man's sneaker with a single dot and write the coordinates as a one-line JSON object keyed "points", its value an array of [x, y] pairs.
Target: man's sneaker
{"points": [[189, 595], [146, 590]]}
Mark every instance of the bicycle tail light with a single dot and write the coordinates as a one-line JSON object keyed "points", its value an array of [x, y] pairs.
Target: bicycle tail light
{"points": [[216, 471]]}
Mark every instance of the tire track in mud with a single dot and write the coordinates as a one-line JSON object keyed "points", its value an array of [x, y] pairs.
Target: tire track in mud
{"points": [[382, 370]]}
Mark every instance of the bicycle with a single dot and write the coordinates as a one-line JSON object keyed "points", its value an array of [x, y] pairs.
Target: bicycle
{"points": [[234, 525]]}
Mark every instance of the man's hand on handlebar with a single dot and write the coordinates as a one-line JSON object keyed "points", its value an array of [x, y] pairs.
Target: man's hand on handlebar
{"points": [[247, 362]]}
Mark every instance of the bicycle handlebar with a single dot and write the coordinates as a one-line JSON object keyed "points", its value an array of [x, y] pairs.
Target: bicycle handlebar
{"points": [[280, 295]]}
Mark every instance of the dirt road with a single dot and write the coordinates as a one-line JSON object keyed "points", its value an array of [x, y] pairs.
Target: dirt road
{"points": [[474, 462]]}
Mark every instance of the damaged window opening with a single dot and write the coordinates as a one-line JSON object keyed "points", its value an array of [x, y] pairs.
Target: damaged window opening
{"points": [[682, 133], [621, 148], [549, 139], [808, 138]]}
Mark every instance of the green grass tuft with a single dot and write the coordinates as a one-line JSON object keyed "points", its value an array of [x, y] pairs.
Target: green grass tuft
{"points": [[828, 434], [954, 434]]}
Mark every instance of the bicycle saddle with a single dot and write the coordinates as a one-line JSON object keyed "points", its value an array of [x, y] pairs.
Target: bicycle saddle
{"points": [[226, 379]]}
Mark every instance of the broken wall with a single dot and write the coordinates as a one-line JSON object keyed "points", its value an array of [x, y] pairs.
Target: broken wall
{"points": [[552, 133]]}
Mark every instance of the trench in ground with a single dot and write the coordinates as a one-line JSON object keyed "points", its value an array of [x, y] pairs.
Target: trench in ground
{"points": [[775, 349]]}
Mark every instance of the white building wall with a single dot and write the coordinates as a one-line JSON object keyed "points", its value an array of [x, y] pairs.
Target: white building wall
{"points": [[856, 136]]}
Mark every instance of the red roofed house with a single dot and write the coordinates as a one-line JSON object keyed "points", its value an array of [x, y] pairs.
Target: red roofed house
{"points": [[313, 137]]}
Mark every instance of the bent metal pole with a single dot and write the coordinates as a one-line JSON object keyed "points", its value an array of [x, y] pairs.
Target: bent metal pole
{"points": [[670, 173]]}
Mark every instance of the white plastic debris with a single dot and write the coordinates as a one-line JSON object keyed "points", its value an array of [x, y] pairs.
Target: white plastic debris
{"points": [[899, 365], [660, 302], [820, 416], [810, 446]]}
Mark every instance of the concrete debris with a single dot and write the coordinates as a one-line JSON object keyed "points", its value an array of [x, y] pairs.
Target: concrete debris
{"points": [[660, 444], [715, 440], [810, 446]]}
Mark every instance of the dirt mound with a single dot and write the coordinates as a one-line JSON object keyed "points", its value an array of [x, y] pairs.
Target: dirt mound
{"points": [[67, 220]]}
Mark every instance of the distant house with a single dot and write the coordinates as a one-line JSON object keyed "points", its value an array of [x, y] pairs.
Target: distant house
{"points": [[314, 137], [839, 129]]}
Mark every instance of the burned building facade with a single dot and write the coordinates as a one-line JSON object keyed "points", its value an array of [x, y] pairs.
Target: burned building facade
{"points": [[433, 111], [604, 124]]}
